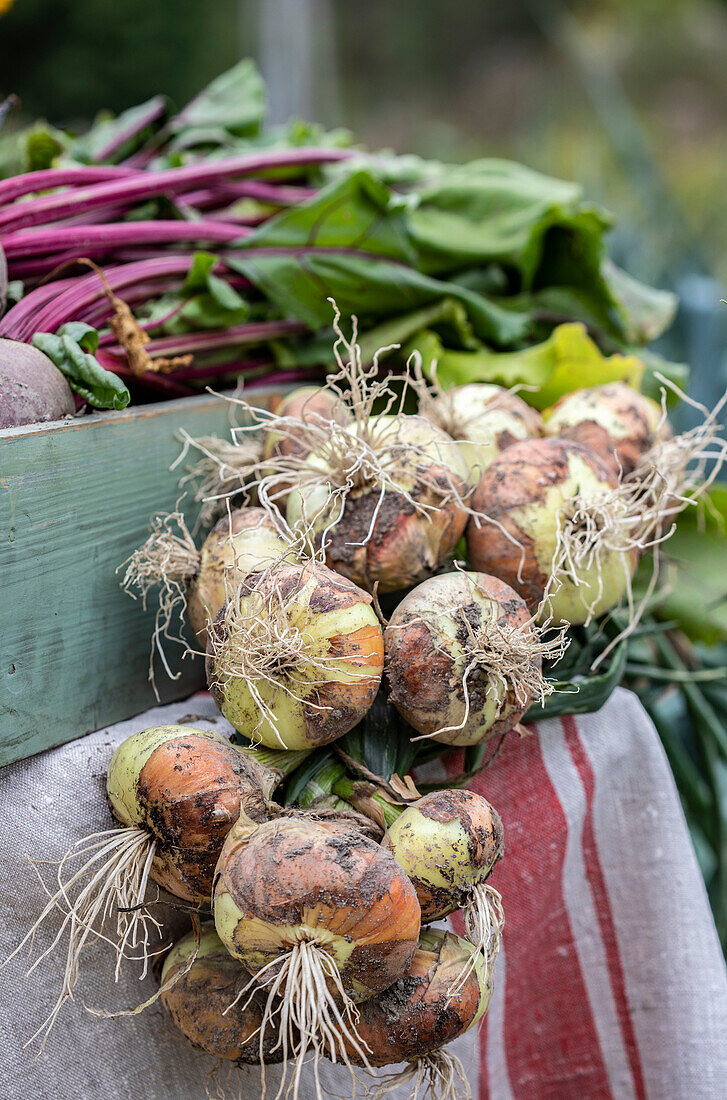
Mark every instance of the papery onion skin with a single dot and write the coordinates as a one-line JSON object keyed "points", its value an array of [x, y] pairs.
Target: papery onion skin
{"points": [[484, 419], [447, 843], [238, 543], [405, 545], [424, 1010], [426, 656], [335, 613], [521, 492], [186, 786], [616, 422], [294, 879], [198, 999]]}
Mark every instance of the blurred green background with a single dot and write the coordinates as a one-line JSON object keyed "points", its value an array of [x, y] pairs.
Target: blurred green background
{"points": [[626, 96]]}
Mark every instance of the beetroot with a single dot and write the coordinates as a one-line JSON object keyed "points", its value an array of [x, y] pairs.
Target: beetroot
{"points": [[31, 387]]}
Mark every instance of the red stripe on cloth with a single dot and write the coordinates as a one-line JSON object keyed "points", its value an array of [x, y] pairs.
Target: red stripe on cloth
{"points": [[597, 881], [551, 1044]]}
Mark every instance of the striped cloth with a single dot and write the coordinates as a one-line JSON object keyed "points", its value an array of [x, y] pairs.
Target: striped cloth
{"points": [[610, 984]]}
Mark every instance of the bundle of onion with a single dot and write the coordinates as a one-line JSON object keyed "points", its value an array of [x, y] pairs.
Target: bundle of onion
{"points": [[556, 528], [616, 422], [200, 981], [385, 494], [447, 843], [176, 792], [323, 918], [483, 418], [199, 580], [295, 656], [464, 658], [425, 1009]]}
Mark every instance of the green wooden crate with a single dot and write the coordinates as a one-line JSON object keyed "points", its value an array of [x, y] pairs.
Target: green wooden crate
{"points": [[75, 500]]}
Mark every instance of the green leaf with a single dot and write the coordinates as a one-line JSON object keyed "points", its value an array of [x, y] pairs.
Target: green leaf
{"points": [[646, 312], [211, 303], [72, 350], [233, 104], [694, 589], [495, 211], [108, 131], [583, 696], [566, 361]]}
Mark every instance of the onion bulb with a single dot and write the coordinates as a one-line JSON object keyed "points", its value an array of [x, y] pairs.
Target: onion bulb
{"points": [[556, 528], [200, 981], [176, 792], [616, 422], [396, 518], [483, 418], [447, 843], [307, 404], [426, 1008], [464, 658], [323, 917], [200, 580], [295, 656]]}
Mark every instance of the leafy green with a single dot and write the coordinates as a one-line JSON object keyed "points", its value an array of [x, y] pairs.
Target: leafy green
{"points": [[694, 591], [567, 360], [120, 135], [73, 349], [646, 312], [233, 105]]}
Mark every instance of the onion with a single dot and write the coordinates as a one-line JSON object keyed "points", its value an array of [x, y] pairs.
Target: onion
{"points": [[464, 658], [556, 529], [323, 917], [483, 418], [199, 580], [200, 980], [425, 1009], [295, 656], [307, 404], [616, 422], [391, 530], [176, 791], [447, 843]]}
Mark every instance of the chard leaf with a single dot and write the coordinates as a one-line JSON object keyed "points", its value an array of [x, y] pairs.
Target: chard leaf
{"points": [[233, 104], [568, 360], [209, 302], [72, 349]]}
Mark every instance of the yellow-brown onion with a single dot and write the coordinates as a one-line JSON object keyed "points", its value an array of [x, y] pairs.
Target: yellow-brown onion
{"points": [[447, 844], [527, 494], [441, 675], [200, 984], [308, 404], [615, 421], [185, 787], [425, 1008], [238, 543], [484, 419], [393, 538], [296, 659], [293, 879]]}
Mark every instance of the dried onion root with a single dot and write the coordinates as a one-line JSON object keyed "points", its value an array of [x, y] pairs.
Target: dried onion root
{"points": [[197, 581], [464, 658], [323, 918], [295, 656], [220, 474], [423, 1010]]}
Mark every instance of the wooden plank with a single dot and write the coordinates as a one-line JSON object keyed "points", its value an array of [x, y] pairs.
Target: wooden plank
{"points": [[75, 500]]}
